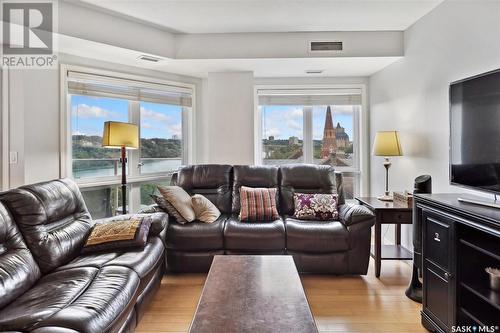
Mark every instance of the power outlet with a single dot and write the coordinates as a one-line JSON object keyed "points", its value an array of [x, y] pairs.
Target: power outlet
{"points": [[13, 157]]}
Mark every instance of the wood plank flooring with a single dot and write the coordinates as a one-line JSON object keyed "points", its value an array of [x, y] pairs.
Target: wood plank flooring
{"points": [[339, 304]]}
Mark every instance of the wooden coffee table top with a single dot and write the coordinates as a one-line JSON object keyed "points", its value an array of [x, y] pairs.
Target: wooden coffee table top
{"points": [[253, 294]]}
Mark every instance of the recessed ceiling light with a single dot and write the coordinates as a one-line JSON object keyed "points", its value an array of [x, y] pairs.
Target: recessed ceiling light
{"points": [[148, 58], [314, 71]]}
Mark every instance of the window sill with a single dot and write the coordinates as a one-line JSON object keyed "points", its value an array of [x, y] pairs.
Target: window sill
{"points": [[87, 183]]}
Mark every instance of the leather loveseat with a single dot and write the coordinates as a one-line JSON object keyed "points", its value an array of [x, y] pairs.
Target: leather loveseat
{"points": [[46, 286], [335, 247]]}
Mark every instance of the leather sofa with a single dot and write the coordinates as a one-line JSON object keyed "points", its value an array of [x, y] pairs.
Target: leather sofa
{"points": [[47, 286], [334, 247]]}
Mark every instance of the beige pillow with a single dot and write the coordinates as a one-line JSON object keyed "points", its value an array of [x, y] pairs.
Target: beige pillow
{"points": [[180, 199], [204, 209]]}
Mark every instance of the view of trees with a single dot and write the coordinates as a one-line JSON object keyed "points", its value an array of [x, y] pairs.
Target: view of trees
{"points": [[90, 147], [283, 150]]}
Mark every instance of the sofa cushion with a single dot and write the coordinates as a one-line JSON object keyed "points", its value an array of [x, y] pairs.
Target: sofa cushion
{"points": [[141, 260], [255, 236], [196, 236], [51, 294], [115, 235], [110, 295], [252, 176], [167, 207], [211, 180], [316, 236], [83, 299], [18, 269], [204, 209], [304, 179], [52, 218], [180, 200], [258, 204], [317, 206]]}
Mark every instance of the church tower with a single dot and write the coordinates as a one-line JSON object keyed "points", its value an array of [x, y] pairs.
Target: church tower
{"points": [[329, 146]]}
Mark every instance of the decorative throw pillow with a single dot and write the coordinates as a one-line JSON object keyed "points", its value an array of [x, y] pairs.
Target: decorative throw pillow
{"points": [[315, 206], [168, 208], [114, 235], [258, 204], [180, 199], [204, 209]]}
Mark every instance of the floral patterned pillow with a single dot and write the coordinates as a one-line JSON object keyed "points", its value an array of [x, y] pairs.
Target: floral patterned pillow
{"points": [[315, 206]]}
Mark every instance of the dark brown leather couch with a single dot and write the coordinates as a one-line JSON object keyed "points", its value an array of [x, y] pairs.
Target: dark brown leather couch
{"points": [[46, 286], [335, 247]]}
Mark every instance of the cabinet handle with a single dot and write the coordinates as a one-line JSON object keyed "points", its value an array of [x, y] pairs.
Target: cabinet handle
{"points": [[436, 237]]}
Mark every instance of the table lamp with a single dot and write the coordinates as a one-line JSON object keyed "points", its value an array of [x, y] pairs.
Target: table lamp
{"points": [[387, 144], [124, 136]]}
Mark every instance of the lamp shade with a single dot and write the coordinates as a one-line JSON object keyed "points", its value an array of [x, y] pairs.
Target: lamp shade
{"points": [[387, 144], [117, 134]]}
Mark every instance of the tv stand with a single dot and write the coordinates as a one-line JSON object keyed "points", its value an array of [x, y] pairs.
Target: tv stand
{"points": [[459, 241], [492, 204]]}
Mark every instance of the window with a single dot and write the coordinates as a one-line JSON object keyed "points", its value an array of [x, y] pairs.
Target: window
{"points": [[104, 201], [283, 134], [162, 110], [319, 126], [88, 114], [161, 137]]}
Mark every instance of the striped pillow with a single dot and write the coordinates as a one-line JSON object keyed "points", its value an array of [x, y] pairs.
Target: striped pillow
{"points": [[258, 204]]}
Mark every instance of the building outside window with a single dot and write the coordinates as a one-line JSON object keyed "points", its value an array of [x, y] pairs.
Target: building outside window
{"points": [[319, 126], [162, 110]]}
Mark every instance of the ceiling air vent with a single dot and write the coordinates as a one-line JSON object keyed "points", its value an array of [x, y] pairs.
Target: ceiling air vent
{"points": [[314, 71], [148, 58], [325, 46]]}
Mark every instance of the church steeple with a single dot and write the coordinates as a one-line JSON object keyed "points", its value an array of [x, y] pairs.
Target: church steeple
{"points": [[329, 146]]}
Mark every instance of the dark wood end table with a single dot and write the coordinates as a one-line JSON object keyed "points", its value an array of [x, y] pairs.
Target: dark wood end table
{"points": [[388, 212]]}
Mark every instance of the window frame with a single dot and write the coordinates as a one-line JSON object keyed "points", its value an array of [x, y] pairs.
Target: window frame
{"points": [[134, 177], [361, 135]]}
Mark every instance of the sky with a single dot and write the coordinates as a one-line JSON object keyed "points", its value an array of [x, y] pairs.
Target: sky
{"points": [[88, 115], [284, 121]]}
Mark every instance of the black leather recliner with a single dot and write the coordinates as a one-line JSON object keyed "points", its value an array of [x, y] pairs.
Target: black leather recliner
{"points": [[335, 247], [46, 286]]}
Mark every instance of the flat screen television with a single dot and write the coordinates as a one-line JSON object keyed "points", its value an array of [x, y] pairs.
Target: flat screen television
{"points": [[475, 132]]}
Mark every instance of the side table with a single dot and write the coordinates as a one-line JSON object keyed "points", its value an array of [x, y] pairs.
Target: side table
{"points": [[387, 212]]}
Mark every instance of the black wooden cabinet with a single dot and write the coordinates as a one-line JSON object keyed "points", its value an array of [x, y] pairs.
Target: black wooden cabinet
{"points": [[459, 241]]}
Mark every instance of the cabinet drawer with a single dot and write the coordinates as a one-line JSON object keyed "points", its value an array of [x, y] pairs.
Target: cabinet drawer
{"points": [[437, 241], [396, 217], [437, 295]]}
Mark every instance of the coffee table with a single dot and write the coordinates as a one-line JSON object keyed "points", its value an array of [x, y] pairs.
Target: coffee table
{"points": [[246, 293]]}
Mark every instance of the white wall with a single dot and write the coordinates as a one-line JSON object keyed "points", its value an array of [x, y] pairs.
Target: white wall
{"points": [[79, 20], [456, 40], [287, 45], [229, 121]]}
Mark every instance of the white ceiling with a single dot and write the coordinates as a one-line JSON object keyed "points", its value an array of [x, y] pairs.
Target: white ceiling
{"points": [[236, 16]]}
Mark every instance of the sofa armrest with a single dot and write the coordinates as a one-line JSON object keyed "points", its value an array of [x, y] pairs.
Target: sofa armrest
{"points": [[351, 214], [158, 221]]}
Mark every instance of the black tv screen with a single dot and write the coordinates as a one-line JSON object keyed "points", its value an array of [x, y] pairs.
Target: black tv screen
{"points": [[475, 132]]}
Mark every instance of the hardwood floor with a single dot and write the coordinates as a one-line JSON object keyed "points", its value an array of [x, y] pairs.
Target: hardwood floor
{"points": [[339, 304]]}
